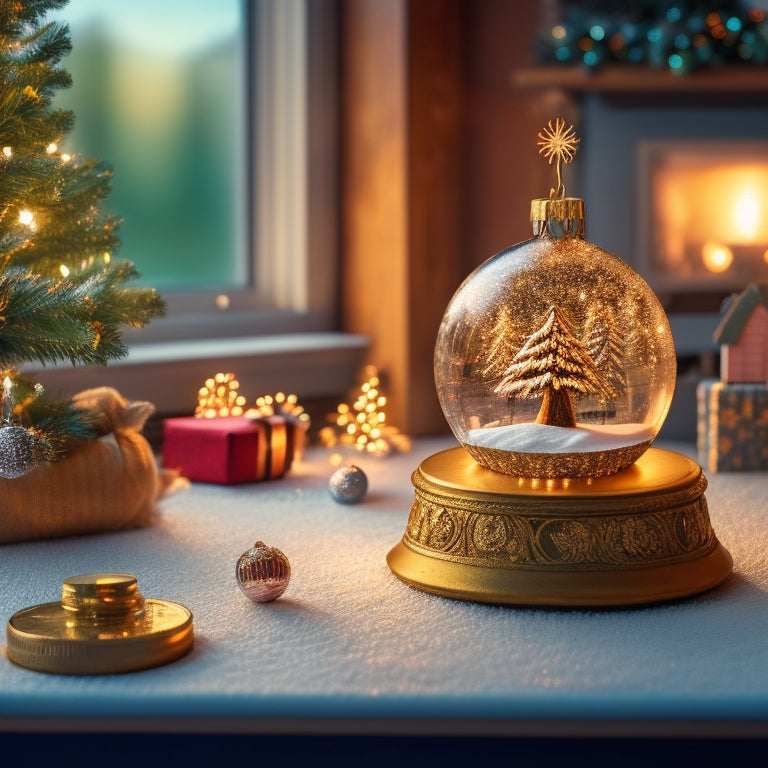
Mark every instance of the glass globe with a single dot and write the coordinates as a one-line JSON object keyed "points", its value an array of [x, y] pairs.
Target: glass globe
{"points": [[554, 358]]}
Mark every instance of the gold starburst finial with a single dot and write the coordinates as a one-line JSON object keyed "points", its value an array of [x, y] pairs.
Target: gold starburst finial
{"points": [[558, 143]]}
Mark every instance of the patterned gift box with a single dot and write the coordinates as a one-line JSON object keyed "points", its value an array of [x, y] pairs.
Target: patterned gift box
{"points": [[228, 449], [732, 426]]}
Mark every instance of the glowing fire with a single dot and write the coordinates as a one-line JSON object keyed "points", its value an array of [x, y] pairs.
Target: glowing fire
{"points": [[711, 213]]}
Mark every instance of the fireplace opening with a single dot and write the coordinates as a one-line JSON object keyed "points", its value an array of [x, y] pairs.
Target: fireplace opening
{"points": [[703, 213]]}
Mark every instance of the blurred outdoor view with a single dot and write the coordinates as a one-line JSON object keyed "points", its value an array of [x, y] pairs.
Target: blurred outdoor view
{"points": [[159, 96]]}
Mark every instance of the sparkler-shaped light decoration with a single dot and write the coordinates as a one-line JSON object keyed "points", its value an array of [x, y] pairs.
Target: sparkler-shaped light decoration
{"points": [[363, 424]]}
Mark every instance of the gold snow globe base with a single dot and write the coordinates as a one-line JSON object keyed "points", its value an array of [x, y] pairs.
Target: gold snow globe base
{"points": [[642, 535]]}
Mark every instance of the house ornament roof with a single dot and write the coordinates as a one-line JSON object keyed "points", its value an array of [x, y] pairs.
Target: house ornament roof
{"points": [[738, 309]]}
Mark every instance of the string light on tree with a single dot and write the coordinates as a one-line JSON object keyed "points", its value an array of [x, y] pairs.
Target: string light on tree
{"points": [[27, 218]]}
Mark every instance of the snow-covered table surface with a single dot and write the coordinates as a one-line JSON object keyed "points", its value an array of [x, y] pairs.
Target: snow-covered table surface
{"points": [[349, 648]]}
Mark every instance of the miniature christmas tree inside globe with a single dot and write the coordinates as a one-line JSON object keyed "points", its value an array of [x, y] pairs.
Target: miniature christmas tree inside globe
{"points": [[554, 358]]}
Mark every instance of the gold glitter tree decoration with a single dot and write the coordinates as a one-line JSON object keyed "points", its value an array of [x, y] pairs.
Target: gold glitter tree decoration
{"points": [[555, 365], [219, 396]]}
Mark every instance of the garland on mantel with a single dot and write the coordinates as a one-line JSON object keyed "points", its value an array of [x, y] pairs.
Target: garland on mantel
{"points": [[676, 36]]}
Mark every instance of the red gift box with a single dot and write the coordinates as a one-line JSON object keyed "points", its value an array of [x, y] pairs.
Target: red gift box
{"points": [[228, 449]]}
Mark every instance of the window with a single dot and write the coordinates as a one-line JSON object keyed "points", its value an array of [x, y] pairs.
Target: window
{"points": [[164, 103], [229, 200]]}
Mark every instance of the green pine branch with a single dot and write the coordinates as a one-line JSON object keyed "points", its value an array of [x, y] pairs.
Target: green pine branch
{"points": [[64, 296]]}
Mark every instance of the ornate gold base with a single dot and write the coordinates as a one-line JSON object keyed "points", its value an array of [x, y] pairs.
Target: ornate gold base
{"points": [[640, 536]]}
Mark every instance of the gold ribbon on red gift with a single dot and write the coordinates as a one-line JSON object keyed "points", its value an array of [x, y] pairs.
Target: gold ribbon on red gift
{"points": [[275, 452]]}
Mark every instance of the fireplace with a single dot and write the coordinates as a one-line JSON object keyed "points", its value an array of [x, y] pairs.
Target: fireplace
{"points": [[679, 191], [681, 194], [703, 219]]}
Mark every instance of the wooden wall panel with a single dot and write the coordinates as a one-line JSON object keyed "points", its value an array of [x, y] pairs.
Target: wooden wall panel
{"points": [[374, 187], [439, 165]]}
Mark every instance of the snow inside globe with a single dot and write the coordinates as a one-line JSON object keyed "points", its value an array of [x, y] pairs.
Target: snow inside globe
{"points": [[554, 358]]}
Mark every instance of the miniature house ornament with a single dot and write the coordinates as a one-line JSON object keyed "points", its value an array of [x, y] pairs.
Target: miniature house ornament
{"points": [[732, 412], [555, 369]]}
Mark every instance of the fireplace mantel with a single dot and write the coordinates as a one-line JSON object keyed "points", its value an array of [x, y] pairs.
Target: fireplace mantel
{"points": [[733, 82]]}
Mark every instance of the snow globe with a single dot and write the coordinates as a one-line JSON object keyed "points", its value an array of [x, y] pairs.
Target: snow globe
{"points": [[554, 358], [555, 368]]}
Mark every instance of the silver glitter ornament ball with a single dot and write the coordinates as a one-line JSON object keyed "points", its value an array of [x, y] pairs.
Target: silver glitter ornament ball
{"points": [[348, 485], [263, 573], [17, 451]]}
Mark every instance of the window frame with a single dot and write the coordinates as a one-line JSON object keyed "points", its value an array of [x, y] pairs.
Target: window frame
{"points": [[278, 331], [291, 60]]}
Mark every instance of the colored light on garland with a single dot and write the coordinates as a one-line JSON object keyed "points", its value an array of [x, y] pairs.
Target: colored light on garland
{"points": [[679, 37], [219, 396]]}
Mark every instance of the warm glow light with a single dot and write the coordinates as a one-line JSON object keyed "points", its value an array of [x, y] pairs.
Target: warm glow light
{"points": [[719, 199], [222, 301], [559, 32], [107, 257], [26, 217], [64, 269], [65, 158], [7, 152], [7, 400], [716, 257], [746, 214], [51, 148]]}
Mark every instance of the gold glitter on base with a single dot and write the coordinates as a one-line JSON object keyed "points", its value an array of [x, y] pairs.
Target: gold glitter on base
{"points": [[558, 465], [642, 535]]}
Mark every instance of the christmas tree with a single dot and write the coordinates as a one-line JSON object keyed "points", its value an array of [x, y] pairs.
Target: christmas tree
{"points": [[500, 348], [553, 364], [604, 340], [63, 292]]}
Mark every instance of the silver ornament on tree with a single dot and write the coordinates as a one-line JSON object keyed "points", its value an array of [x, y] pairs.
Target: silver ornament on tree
{"points": [[18, 453], [263, 573], [348, 485]]}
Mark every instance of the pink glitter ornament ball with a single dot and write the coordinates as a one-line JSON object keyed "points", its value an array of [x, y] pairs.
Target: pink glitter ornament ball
{"points": [[263, 573]]}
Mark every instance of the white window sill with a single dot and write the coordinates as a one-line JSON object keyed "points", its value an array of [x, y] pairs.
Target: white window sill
{"points": [[169, 374]]}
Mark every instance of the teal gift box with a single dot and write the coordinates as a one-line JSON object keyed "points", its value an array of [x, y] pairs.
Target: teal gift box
{"points": [[732, 426]]}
